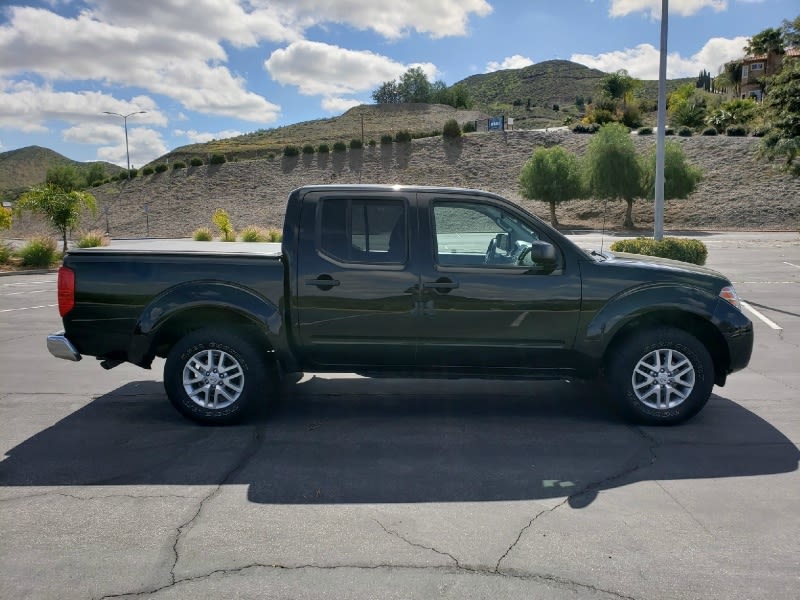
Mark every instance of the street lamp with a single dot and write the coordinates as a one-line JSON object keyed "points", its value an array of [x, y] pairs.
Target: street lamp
{"points": [[125, 122]]}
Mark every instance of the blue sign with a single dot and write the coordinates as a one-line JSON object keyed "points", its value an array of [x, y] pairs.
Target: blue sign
{"points": [[495, 123]]}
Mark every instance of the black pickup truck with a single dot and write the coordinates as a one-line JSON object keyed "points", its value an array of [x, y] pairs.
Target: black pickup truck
{"points": [[403, 282]]}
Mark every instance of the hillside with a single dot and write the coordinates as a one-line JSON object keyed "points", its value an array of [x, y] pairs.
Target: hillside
{"points": [[22, 168], [548, 83], [736, 193]]}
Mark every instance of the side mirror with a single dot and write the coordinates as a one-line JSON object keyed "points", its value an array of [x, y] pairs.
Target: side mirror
{"points": [[501, 241], [540, 254]]}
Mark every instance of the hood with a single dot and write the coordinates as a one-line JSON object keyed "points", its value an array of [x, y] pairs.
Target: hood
{"points": [[662, 264]]}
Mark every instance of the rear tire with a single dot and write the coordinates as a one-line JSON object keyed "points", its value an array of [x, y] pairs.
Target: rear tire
{"points": [[660, 376], [214, 375]]}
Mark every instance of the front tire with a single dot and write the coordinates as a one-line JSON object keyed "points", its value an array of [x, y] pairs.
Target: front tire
{"points": [[660, 376], [213, 375]]}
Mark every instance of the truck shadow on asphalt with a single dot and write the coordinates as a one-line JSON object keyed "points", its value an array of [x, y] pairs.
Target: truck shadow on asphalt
{"points": [[385, 441]]}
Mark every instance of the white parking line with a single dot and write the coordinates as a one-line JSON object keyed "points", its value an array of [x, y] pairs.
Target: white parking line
{"points": [[791, 264], [769, 322], [28, 308], [19, 283], [28, 292]]}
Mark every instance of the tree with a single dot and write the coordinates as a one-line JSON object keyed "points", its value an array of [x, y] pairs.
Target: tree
{"points": [[620, 86], [553, 175], [613, 170], [414, 86], [769, 41], [680, 178], [387, 93], [5, 218], [791, 32], [782, 106], [95, 173], [62, 209], [66, 177]]}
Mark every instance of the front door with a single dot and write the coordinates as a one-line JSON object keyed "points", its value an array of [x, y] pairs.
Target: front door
{"points": [[486, 305]]}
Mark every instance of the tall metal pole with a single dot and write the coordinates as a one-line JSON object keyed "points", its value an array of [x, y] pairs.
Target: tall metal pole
{"points": [[658, 232], [125, 123]]}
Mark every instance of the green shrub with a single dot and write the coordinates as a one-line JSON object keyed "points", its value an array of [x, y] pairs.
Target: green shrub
{"points": [[555, 108], [275, 235], [339, 146], [685, 131], [736, 131], [39, 252], [632, 116], [308, 149], [710, 131], [202, 235], [372, 143], [217, 159], [178, 164], [323, 149], [223, 223], [469, 127], [586, 128], [161, 167], [92, 239], [669, 131], [253, 233], [356, 144], [196, 162], [97, 184], [291, 151], [645, 131], [271, 156], [148, 171], [451, 130], [683, 249], [386, 138], [760, 131], [402, 136], [132, 174], [6, 252]]}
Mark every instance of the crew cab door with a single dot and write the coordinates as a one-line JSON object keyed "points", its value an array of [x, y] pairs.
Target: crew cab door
{"points": [[486, 304], [356, 293]]}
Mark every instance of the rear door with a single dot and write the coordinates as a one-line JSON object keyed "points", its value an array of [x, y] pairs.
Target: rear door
{"points": [[357, 293]]}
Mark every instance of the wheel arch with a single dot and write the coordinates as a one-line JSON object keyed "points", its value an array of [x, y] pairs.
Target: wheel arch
{"points": [[691, 323]]}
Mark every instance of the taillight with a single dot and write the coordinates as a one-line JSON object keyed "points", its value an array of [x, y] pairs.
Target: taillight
{"points": [[66, 290]]}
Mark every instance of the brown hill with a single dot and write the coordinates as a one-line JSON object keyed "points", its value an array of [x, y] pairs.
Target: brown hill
{"points": [[737, 191]]}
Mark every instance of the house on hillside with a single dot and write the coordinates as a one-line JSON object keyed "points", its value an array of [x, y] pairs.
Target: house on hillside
{"points": [[756, 68]]}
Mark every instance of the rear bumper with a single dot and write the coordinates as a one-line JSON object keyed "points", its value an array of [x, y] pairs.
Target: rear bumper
{"points": [[59, 346]]}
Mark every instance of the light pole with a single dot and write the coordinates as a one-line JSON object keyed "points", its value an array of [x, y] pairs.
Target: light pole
{"points": [[125, 123]]}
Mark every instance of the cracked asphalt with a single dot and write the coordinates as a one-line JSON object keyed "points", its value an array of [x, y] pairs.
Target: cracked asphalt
{"points": [[358, 488]]}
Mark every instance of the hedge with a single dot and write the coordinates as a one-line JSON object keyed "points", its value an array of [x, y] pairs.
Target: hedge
{"points": [[683, 249]]}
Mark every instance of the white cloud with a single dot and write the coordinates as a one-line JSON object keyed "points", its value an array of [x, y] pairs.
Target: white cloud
{"points": [[319, 69], [390, 18], [27, 107], [685, 8], [200, 137], [510, 62], [642, 61], [145, 145], [339, 105], [182, 64]]}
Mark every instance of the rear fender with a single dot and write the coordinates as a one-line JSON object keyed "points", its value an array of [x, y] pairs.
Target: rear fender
{"points": [[239, 302]]}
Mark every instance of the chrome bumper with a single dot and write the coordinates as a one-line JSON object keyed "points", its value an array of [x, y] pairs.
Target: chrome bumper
{"points": [[60, 347]]}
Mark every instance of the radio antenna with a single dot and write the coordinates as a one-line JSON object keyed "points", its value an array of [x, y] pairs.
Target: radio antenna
{"points": [[603, 231]]}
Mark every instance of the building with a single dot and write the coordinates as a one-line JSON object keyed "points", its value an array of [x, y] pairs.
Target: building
{"points": [[756, 68]]}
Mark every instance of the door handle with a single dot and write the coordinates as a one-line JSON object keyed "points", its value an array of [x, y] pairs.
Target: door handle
{"points": [[443, 285], [323, 282]]}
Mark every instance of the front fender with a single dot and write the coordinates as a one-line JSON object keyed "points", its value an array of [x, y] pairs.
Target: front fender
{"points": [[195, 295], [642, 302]]}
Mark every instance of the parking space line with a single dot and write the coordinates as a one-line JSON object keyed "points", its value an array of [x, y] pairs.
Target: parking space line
{"points": [[791, 264], [28, 292], [769, 322], [7, 310]]}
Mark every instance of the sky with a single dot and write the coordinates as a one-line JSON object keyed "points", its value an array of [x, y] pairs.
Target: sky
{"points": [[213, 69]]}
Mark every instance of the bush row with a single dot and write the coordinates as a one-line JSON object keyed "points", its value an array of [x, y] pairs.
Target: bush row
{"points": [[683, 249], [250, 233]]}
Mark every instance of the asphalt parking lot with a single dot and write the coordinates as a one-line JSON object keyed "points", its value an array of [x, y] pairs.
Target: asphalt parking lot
{"points": [[359, 488]]}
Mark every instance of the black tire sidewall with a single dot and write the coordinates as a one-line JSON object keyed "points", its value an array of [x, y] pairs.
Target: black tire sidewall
{"points": [[633, 349], [240, 349]]}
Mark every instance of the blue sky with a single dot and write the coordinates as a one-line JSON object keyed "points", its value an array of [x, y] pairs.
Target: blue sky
{"points": [[205, 69]]}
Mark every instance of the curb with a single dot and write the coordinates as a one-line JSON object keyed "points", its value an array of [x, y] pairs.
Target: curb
{"points": [[33, 272]]}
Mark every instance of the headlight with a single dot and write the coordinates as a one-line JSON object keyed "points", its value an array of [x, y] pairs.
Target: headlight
{"points": [[729, 295]]}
